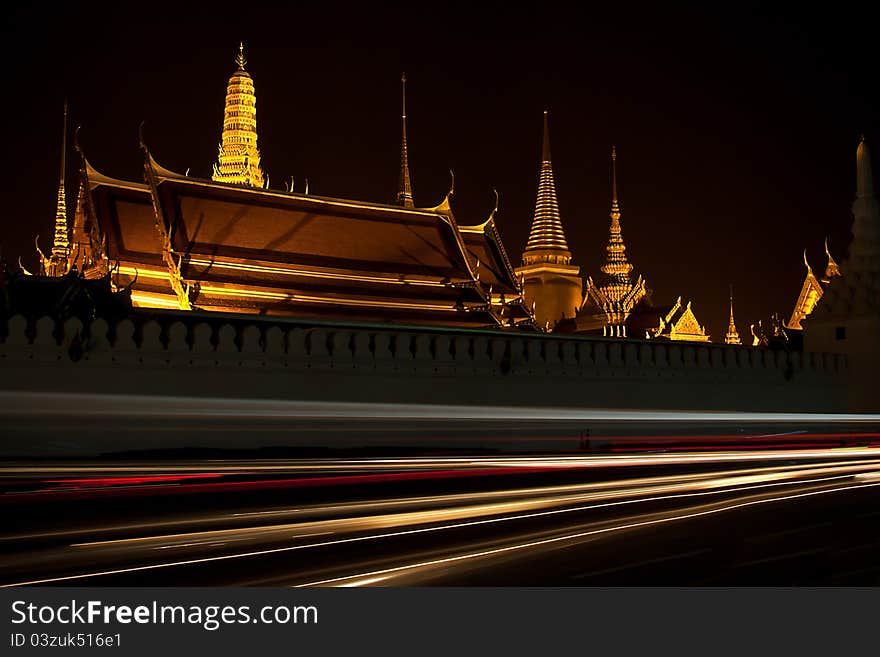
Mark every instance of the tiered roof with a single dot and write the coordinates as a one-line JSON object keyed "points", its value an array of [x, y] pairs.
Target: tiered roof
{"points": [[192, 243]]}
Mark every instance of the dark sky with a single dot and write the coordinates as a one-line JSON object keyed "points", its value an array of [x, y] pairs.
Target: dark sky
{"points": [[736, 128]]}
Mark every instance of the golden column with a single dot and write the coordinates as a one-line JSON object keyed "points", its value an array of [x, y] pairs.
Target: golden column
{"points": [[551, 284], [239, 158]]}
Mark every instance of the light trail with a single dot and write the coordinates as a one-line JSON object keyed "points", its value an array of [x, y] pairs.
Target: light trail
{"points": [[730, 480], [384, 574], [645, 483], [47, 404], [487, 521]]}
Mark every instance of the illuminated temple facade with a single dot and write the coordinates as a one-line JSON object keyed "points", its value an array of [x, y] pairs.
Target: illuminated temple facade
{"points": [[230, 244], [617, 304]]}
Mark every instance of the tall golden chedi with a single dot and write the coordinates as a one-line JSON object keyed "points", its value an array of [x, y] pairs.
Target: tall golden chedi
{"points": [[57, 264], [239, 158], [551, 284], [612, 300]]}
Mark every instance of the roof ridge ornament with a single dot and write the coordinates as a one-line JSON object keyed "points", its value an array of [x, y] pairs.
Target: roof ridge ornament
{"points": [[832, 268], [445, 207]]}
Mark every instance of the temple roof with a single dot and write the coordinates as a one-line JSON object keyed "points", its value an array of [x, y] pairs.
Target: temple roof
{"points": [[238, 248], [857, 291], [673, 322]]}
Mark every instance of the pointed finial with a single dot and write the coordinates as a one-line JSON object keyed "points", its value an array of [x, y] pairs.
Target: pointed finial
{"points": [[404, 182], [64, 141], [545, 148], [403, 92], [614, 176], [76, 145], [832, 268], [239, 58], [809, 269], [864, 175]]}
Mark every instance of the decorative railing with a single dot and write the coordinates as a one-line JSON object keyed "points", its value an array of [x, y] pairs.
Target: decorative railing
{"points": [[177, 340]]}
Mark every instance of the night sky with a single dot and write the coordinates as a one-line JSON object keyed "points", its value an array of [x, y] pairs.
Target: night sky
{"points": [[736, 131]]}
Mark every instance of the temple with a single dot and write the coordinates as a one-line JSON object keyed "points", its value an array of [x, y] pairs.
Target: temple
{"points": [[609, 301], [618, 305], [846, 319], [231, 245], [552, 287]]}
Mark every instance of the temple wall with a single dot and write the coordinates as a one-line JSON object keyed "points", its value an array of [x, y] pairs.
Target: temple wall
{"points": [[174, 380], [860, 342], [197, 355]]}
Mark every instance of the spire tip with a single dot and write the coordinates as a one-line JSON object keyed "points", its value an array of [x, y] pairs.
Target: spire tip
{"points": [[240, 58], [545, 147]]}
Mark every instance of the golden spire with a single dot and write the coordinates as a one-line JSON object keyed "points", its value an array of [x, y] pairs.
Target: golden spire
{"points": [[56, 263], [62, 243], [546, 239], [404, 189], [616, 265], [615, 207], [239, 158], [732, 336]]}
